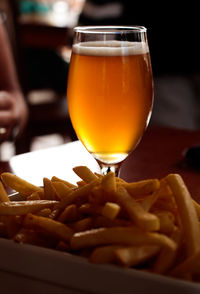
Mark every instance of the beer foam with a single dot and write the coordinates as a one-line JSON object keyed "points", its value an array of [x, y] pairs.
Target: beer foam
{"points": [[110, 48]]}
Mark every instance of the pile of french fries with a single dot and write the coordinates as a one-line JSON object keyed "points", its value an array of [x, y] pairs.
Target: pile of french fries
{"points": [[151, 225]]}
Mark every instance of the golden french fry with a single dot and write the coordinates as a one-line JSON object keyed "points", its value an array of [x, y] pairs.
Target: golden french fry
{"points": [[197, 208], [100, 176], [62, 190], [54, 213], [82, 225], [167, 255], [98, 196], [190, 265], [164, 205], [62, 246], [24, 207], [69, 214], [136, 213], [56, 179], [167, 221], [142, 188], [12, 224], [79, 193], [34, 196], [165, 200], [16, 183], [44, 212], [165, 260], [110, 210], [187, 213], [119, 236], [108, 182], [148, 201], [104, 254], [135, 255], [51, 227], [120, 181], [29, 236], [90, 209], [3, 194], [162, 192], [80, 183], [104, 222], [49, 190], [85, 173]]}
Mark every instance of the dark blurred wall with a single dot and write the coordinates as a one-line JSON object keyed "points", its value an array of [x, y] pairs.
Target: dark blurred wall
{"points": [[173, 30]]}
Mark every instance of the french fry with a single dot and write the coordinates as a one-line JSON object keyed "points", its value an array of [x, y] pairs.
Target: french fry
{"points": [[110, 210], [142, 188], [79, 193], [188, 266], [24, 207], [108, 182], [165, 198], [56, 179], [148, 201], [3, 194], [136, 213], [29, 236], [104, 254], [12, 224], [98, 197], [69, 214], [44, 212], [82, 225], [120, 236], [100, 176], [167, 255], [165, 192], [167, 221], [49, 226], [187, 213], [85, 173], [54, 213], [197, 208], [90, 209], [62, 246], [164, 205], [49, 190], [34, 196], [61, 189], [16, 183], [135, 255], [105, 222], [80, 183]]}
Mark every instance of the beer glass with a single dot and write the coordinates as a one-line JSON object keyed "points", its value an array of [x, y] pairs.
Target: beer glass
{"points": [[110, 90]]}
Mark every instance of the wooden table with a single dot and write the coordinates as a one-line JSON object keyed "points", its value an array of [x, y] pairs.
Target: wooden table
{"points": [[159, 153]]}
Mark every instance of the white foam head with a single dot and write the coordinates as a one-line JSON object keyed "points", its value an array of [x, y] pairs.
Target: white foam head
{"points": [[110, 48]]}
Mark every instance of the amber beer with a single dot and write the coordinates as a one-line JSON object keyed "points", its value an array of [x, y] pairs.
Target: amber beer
{"points": [[110, 96]]}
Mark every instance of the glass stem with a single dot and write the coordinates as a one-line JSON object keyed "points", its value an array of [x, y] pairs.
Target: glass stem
{"points": [[106, 168]]}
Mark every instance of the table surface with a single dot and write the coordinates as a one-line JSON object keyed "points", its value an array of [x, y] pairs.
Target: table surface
{"points": [[159, 153]]}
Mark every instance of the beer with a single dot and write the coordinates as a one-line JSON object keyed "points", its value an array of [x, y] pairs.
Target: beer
{"points": [[110, 95]]}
